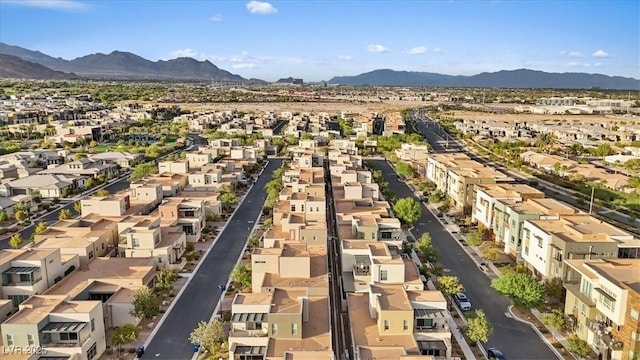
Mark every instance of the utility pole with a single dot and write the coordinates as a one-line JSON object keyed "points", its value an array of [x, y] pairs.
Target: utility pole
{"points": [[593, 190]]}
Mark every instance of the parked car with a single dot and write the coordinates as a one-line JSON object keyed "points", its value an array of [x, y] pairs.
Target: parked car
{"points": [[494, 353], [463, 301]]}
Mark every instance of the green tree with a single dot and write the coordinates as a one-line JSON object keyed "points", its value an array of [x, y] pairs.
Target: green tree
{"points": [[143, 170], [450, 285], [77, 206], [20, 215], [93, 144], [578, 346], [491, 253], [525, 291], [555, 289], [124, 335], [406, 170], [241, 274], [16, 241], [475, 238], [426, 249], [65, 214], [3, 216], [407, 210], [478, 327], [229, 200], [555, 319], [102, 193], [210, 336], [253, 241], [146, 304], [165, 279], [40, 228]]}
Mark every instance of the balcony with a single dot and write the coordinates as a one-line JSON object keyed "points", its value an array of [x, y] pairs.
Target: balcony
{"points": [[65, 334], [431, 320], [362, 267], [247, 333], [21, 276]]}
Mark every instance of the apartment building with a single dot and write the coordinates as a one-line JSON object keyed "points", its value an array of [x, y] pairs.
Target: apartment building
{"points": [[180, 166], [456, 175], [112, 282], [366, 219], [603, 303], [27, 272], [390, 322], [510, 215], [291, 265], [198, 159], [286, 323], [171, 183], [61, 325], [548, 242], [185, 213], [86, 237], [411, 152], [147, 237], [487, 194], [367, 263]]}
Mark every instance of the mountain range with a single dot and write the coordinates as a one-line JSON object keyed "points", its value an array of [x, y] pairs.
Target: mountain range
{"points": [[521, 78], [126, 65]]}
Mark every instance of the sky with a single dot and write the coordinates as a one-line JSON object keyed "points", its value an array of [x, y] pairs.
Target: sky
{"points": [[316, 40]]}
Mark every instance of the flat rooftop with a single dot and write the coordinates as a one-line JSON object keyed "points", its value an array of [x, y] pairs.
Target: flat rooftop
{"points": [[365, 330], [581, 228], [617, 271], [38, 307], [544, 206], [392, 297], [8, 255]]}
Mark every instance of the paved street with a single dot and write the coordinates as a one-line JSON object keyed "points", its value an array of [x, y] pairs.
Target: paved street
{"points": [[515, 339], [199, 299]]}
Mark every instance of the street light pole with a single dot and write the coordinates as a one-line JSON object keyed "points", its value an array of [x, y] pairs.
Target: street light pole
{"points": [[593, 190]]}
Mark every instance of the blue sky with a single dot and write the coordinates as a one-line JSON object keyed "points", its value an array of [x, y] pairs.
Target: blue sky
{"points": [[317, 40]]}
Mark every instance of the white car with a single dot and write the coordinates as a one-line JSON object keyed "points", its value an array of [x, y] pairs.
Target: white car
{"points": [[463, 301]]}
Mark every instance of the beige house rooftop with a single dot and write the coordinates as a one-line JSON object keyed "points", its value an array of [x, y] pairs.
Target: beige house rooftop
{"points": [[38, 307], [544, 206], [577, 228], [618, 271]]}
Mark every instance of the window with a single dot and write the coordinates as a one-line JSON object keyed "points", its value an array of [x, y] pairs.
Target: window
{"points": [[156, 239], [9, 340], [159, 260], [135, 242], [25, 277], [587, 288], [384, 275], [274, 329], [91, 254], [424, 323], [386, 324], [294, 329], [293, 208], [188, 229], [68, 336], [539, 241], [405, 325], [93, 325], [30, 340], [634, 314], [17, 299], [301, 208], [92, 351], [385, 235]]}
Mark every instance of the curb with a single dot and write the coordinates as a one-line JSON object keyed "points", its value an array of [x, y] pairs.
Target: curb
{"points": [[195, 270], [535, 328]]}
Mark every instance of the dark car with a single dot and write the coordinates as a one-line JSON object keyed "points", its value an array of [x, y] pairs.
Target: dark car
{"points": [[494, 353]]}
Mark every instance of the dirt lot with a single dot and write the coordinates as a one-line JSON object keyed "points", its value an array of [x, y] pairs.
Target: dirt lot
{"points": [[476, 115]]}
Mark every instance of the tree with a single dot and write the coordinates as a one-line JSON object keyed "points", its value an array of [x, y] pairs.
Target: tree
{"points": [[449, 285], [475, 238], [102, 193], [555, 319], [40, 228], [165, 279], [3, 216], [124, 335], [241, 274], [478, 327], [93, 144], [253, 241], [491, 253], [525, 291], [210, 336], [77, 206], [146, 304], [407, 210], [578, 346], [20, 215], [65, 214], [229, 200], [16, 241], [426, 249], [555, 289], [143, 170]]}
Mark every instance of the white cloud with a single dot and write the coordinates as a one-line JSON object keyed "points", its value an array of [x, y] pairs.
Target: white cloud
{"points": [[377, 48], [185, 53], [598, 64], [572, 54], [575, 64], [261, 8], [345, 57], [244, 66], [601, 54], [216, 18], [196, 55], [50, 4], [417, 50]]}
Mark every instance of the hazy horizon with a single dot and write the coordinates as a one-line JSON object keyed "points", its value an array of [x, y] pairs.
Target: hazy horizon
{"points": [[316, 40]]}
